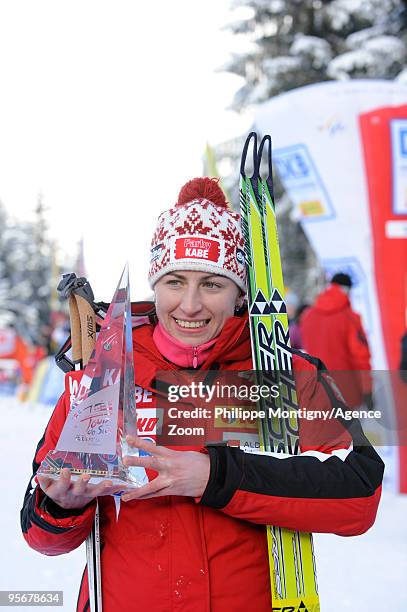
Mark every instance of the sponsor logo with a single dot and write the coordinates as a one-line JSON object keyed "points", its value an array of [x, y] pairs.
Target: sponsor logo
{"points": [[293, 166], [197, 248], [311, 208], [73, 389], [90, 326], [248, 442], [143, 396], [300, 608], [108, 377], [156, 252], [146, 425], [149, 421], [332, 125], [226, 420], [240, 256]]}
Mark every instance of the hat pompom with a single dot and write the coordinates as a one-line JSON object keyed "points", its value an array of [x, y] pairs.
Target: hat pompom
{"points": [[202, 188]]}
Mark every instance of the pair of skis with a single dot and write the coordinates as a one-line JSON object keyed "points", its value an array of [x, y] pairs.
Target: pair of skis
{"points": [[291, 554], [83, 336]]}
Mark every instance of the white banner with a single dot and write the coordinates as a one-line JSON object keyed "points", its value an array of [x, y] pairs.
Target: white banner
{"points": [[318, 153]]}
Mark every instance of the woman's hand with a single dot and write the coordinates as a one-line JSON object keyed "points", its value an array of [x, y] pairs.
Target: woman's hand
{"points": [[69, 493], [179, 472]]}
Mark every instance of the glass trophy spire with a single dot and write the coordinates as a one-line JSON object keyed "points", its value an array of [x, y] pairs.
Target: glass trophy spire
{"points": [[93, 438]]}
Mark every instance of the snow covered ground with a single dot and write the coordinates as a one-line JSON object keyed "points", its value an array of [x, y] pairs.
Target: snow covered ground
{"points": [[22, 568], [364, 573]]}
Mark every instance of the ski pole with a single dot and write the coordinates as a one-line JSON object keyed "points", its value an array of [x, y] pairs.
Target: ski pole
{"points": [[83, 335], [84, 298]]}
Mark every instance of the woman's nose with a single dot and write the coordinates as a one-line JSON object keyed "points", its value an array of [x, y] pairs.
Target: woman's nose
{"points": [[191, 302]]}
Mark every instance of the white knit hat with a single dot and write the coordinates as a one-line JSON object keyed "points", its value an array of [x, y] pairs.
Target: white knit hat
{"points": [[200, 233]]}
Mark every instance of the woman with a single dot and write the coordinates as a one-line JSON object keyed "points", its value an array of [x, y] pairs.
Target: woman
{"points": [[193, 538]]}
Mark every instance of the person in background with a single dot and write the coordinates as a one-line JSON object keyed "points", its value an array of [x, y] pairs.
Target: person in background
{"points": [[13, 348], [332, 331]]}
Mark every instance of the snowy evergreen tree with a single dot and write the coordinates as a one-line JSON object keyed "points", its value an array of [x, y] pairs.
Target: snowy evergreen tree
{"points": [[296, 43], [7, 316], [25, 275], [292, 43], [41, 273]]}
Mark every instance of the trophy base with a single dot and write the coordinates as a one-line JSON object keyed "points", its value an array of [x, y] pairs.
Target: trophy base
{"points": [[99, 467]]}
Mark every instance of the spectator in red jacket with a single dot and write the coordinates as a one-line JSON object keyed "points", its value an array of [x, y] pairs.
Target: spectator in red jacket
{"points": [[332, 331], [13, 347], [192, 539]]}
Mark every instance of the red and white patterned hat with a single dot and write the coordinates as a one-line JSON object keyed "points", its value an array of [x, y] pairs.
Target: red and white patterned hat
{"points": [[200, 233]]}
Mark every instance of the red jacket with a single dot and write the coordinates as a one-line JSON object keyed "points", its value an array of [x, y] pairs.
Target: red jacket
{"points": [[181, 554], [12, 346], [333, 332]]}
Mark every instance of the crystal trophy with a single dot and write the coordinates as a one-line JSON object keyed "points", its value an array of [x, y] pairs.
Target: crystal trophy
{"points": [[103, 413]]}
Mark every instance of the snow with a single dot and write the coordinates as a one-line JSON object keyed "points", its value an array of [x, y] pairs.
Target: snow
{"points": [[402, 76], [274, 67], [273, 6], [360, 573], [357, 39], [374, 56], [260, 91], [343, 65], [367, 572], [317, 48], [387, 45], [21, 567], [342, 12]]}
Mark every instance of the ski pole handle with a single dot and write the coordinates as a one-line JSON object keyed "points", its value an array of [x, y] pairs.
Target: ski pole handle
{"points": [[66, 289], [76, 336], [88, 327], [82, 315]]}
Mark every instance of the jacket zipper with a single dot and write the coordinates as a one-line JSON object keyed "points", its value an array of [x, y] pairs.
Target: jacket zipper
{"points": [[195, 357]]}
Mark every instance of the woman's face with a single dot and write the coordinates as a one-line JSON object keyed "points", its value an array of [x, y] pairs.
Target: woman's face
{"points": [[193, 306]]}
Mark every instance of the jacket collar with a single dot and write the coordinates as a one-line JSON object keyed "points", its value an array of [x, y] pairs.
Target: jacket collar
{"points": [[183, 355]]}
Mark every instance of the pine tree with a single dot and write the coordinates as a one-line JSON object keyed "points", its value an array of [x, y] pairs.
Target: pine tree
{"points": [[292, 43], [25, 275], [296, 43], [7, 316], [41, 278]]}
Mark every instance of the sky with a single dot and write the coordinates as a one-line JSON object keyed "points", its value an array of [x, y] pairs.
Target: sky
{"points": [[105, 110]]}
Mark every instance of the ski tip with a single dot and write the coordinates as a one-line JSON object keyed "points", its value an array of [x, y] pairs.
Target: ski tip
{"points": [[265, 142], [251, 136]]}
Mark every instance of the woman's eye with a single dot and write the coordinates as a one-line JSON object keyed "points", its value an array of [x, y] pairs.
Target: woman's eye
{"points": [[173, 282], [212, 285]]}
